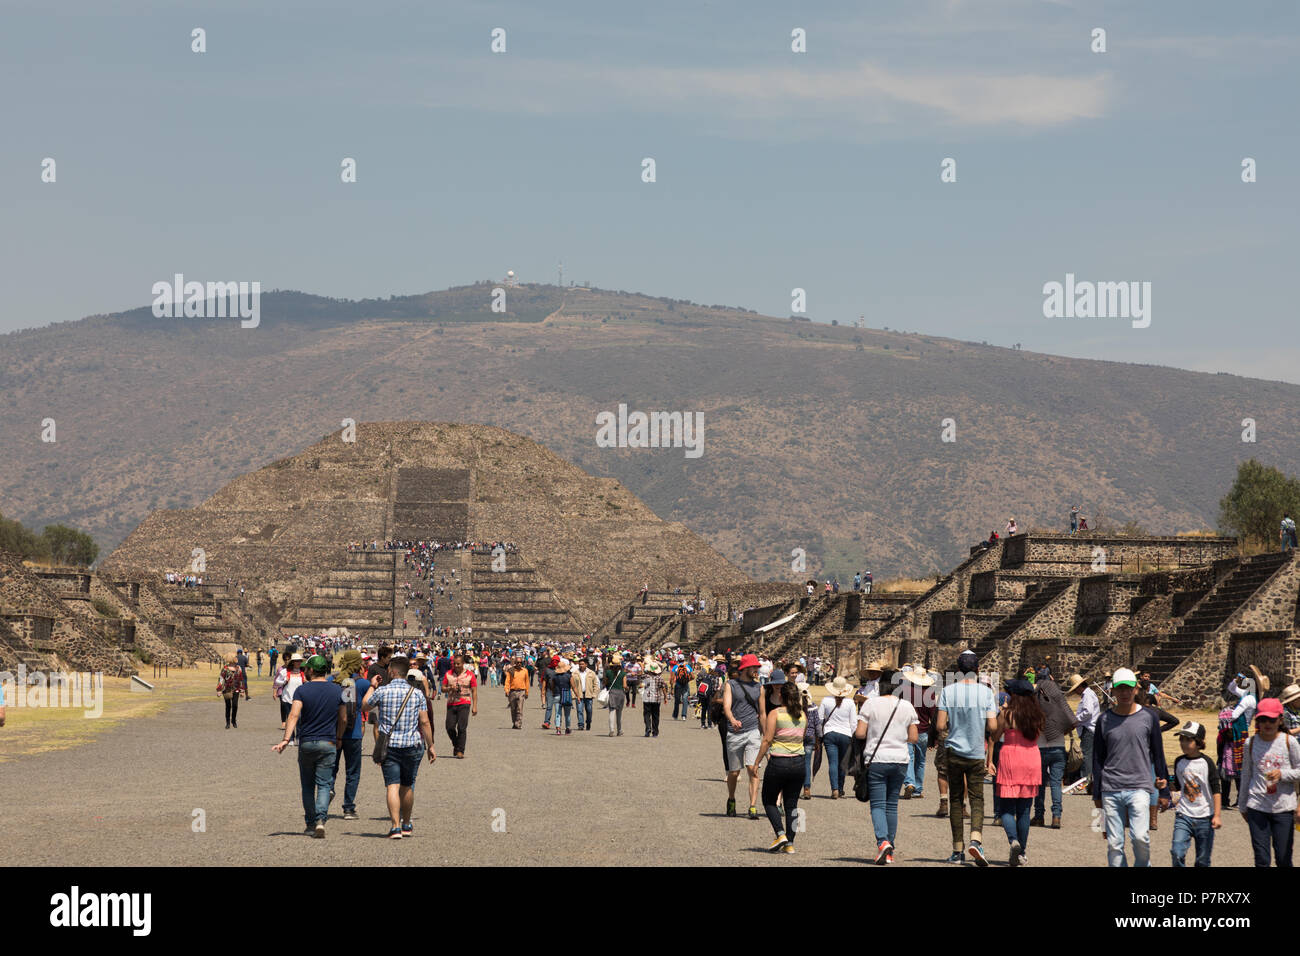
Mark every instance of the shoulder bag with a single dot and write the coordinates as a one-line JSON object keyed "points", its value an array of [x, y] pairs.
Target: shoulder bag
{"points": [[860, 789]]}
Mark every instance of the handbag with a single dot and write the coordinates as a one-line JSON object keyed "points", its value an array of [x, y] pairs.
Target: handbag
{"points": [[1074, 755], [603, 697], [381, 743], [860, 789]]}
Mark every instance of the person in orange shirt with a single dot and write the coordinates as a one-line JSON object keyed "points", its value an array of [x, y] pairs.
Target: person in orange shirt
{"points": [[517, 691]]}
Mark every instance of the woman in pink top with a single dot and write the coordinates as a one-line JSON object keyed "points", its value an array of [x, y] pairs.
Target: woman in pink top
{"points": [[1020, 768]]}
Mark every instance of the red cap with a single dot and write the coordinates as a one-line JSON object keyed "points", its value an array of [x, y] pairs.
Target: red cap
{"points": [[555, 660], [749, 660], [1269, 707]]}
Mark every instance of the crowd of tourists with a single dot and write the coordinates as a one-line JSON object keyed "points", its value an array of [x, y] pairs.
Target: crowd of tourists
{"points": [[509, 547], [877, 729]]}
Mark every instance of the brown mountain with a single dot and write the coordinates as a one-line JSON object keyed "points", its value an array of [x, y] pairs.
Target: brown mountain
{"points": [[815, 437]]}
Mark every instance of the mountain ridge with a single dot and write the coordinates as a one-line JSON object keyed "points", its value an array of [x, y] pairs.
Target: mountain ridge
{"points": [[821, 437]]}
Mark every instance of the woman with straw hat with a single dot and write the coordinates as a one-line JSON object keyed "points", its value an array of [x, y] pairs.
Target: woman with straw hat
{"points": [[839, 722], [1290, 698]]}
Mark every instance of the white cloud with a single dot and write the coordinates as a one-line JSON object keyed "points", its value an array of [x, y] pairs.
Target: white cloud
{"points": [[865, 93]]}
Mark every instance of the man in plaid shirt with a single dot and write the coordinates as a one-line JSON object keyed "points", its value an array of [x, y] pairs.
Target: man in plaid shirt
{"points": [[406, 721], [653, 692]]}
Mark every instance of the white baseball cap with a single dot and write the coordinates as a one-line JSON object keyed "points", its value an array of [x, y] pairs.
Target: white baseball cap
{"points": [[1122, 677]]}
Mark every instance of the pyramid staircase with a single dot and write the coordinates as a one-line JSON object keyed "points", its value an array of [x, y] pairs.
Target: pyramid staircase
{"points": [[1043, 595], [1211, 612], [788, 637], [358, 595], [22, 650], [516, 598], [631, 624]]}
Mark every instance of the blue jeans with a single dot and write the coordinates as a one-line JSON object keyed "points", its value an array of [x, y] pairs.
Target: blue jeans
{"points": [[883, 783], [916, 766], [350, 756], [1277, 829], [583, 707], [1053, 760], [316, 760], [1015, 818], [837, 757], [808, 751], [1185, 830], [1131, 809]]}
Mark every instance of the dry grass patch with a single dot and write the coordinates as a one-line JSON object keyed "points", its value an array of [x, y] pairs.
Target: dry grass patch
{"points": [[34, 730]]}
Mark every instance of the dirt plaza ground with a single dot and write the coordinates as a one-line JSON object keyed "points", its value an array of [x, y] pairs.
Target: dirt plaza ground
{"points": [[133, 794]]}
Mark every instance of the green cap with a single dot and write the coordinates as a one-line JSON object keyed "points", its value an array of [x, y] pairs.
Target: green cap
{"points": [[318, 664]]}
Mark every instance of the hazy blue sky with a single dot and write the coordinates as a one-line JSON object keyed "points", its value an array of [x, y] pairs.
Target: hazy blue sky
{"points": [[775, 169]]}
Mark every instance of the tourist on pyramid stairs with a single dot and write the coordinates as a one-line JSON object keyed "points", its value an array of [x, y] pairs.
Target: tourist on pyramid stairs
{"points": [[1058, 721], [516, 683], [460, 687], [1287, 534], [230, 682], [401, 715], [562, 689], [1126, 748], [547, 677], [887, 726], [783, 735], [616, 684], [350, 668], [966, 716], [1019, 780], [1269, 776], [839, 723], [585, 686], [1195, 783], [653, 693], [742, 709], [319, 716]]}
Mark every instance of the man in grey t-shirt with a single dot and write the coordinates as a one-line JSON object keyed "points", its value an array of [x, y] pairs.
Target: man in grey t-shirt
{"points": [[742, 703], [1126, 747]]}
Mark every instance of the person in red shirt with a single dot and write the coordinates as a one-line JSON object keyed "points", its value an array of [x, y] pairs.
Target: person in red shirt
{"points": [[460, 685]]}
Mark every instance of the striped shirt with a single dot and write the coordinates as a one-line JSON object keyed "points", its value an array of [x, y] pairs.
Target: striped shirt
{"points": [[387, 700], [788, 741]]}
